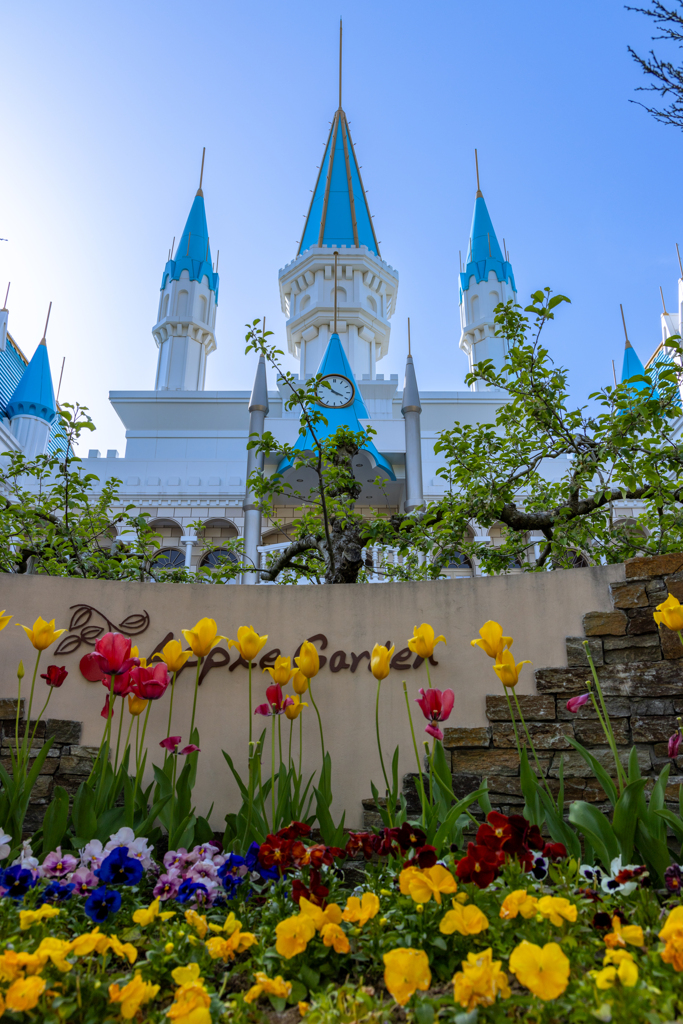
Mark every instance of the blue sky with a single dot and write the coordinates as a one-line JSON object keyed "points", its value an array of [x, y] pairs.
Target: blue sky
{"points": [[104, 110]]}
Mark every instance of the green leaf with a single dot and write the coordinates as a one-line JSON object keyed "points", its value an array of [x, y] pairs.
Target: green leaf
{"points": [[599, 772], [595, 826], [55, 820], [560, 832], [625, 817], [533, 810], [310, 978], [83, 812]]}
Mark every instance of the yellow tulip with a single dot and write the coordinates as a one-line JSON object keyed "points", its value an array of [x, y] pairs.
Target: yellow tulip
{"points": [[4, 619], [380, 661], [282, 672], [43, 633], [308, 660], [506, 670], [203, 637], [294, 710], [492, 640], [423, 640], [299, 682], [136, 705], [670, 612], [173, 655], [248, 642]]}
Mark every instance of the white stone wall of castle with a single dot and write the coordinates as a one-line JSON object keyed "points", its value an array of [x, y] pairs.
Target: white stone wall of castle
{"points": [[32, 434], [478, 331], [184, 334]]}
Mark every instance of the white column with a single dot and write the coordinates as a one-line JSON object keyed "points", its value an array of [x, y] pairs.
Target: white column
{"points": [[189, 540]]}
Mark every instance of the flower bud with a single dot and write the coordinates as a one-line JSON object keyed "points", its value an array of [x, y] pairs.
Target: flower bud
{"points": [[419, 908], [168, 948], [20, 670]]}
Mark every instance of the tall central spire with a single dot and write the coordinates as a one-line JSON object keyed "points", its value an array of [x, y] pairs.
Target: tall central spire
{"points": [[339, 213]]}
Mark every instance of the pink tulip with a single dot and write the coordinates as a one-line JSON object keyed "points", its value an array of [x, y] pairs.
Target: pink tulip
{"points": [[574, 703], [674, 744], [436, 706], [149, 683], [170, 743], [189, 749]]}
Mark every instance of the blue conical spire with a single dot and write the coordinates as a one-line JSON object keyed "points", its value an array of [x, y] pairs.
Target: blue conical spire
{"points": [[335, 361], [632, 367], [193, 252], [339, 213], [484, 252], [34, 394]]}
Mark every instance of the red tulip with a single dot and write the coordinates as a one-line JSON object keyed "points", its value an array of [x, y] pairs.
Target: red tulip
{"points": [[170, 743], [436, 706], [110, 657], [54, 676], [106, 712], [574, 703], [149, 683], [277, 702], [189, 749]]}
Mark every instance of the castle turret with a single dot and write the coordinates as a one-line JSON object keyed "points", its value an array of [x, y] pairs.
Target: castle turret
{"points": [[486, 281], [186, 320], [32, 408]]}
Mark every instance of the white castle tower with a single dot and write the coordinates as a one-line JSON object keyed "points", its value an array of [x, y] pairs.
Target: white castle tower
{"points": [[338, 220], [486, 281], [184, 331]]}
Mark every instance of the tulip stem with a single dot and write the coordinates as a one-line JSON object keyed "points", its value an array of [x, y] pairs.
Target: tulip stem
{"points": [[279, 735], [291, 727], [417, 756], [251, 798], [621, 775], [301, 741], [33, 736], [118, 738], [24, 742], [531, 746], [196, 688], [170, 710], [272, 775], [381, 756], [130, 729], [16, 721], [249, 708], [320, 723]]}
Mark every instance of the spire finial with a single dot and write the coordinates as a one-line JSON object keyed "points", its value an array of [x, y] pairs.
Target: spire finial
{"points": [[663, 302], [6, 296], [480, 194], [409, 352], [43, 340], [201, 173], [340, 63], [679, 259], [336, 257], [623, 320]]}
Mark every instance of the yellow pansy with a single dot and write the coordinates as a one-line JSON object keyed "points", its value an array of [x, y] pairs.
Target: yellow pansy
{"points": [[626, 972], [24, 993], [423, 641], [380, 661], [308, 660], [248, 642], [132, 996], [90, 942], [277, 987], [146, 915], [506, 669], [468, 920], [670, 612], [43, 633], [226, 948], [492, 641], [557, 909], [360, 911], [293, 935], [282, 671], [123, 949], [518, 902], [203, 637], [431, 882], [335, 936], [29, 917], [544, 971], [187, 975], [198, 922], [55, 950], [330, 915], [480, 981], [622, 934], [405, 971], [172, 653]]}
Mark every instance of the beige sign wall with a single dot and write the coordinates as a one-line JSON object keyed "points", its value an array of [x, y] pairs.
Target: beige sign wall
{"points": [[538, 610]]}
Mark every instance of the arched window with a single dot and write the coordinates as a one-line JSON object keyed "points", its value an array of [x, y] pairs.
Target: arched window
{"points": [[183, 302], [218, 557], [341, 295], [459, 561], [475, 308], [305, 302], [202, 309], [170, 558], [371, 304], [166, 302]]}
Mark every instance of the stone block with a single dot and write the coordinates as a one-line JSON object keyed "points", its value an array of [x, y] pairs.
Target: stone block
{"points": [[574, 764], [75, 765], [671, 645], [465, 783], [490, 762], [617, 707], [646, 729], [674, 584], [63, 730], [8, 708], [534, 708], [671, 790], [656, 592], [654, 706], [42, 790], [69, 782], [605, 623], [629, 595], [38, 726], [590, 732], [544, 735], [653, 565], [90, 752], [461, 737], [576, 653], [631, 649], [640, 620]]}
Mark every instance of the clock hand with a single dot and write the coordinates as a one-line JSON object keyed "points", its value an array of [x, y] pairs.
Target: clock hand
{"points": [[336, 392]]}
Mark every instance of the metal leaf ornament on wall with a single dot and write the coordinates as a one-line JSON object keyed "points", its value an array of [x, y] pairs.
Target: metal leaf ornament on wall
{"points": [[83, 631]]}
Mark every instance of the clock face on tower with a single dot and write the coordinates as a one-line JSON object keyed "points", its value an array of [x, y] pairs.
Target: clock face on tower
{"points": [[340, 393]]}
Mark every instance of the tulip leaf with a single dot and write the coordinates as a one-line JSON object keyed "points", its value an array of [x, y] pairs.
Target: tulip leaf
{"points": [[83, 813], [633, 766], [533, 811], [625, 818], [673, 821], [598, 770], [560, 832], [595, 826], [443, 834], [56, 819], [654, 852]]}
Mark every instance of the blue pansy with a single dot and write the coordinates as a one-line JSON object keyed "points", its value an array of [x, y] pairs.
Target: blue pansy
{"points": [[57, 890], [120, 869], [190, 890], [18, 881], [101, 903], [253, 863]]}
